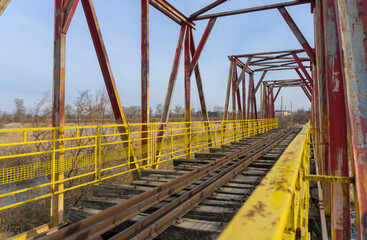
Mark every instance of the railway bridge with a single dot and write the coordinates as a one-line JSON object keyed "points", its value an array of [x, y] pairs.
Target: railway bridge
{"points": [[241, 177]]}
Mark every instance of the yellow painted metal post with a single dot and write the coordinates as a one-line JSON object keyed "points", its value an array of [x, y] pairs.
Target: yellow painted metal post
{"points": [[98, 155], [57, 199]]}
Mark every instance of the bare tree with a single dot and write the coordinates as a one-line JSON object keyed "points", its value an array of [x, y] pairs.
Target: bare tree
{"points": [[20, 110], [158, 109], [178, 110]]}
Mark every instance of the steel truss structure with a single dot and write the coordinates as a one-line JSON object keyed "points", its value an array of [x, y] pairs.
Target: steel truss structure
{"points": [[336, 88]]}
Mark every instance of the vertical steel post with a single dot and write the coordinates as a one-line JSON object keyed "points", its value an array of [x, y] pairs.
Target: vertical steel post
{"points": [[228, 91], [338, 146], [353, 31], [322, 102], [234, 81], [187, 97], [145, 80], [249, 99], [253, 95], [244, 97], [58, 114]]}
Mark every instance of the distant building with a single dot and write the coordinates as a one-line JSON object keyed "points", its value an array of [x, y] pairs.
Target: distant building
{"points": [[283, 113]]}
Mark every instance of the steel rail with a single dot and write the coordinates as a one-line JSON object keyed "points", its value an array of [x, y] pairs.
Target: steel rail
{"points": [[114, 216], [183, 204]]}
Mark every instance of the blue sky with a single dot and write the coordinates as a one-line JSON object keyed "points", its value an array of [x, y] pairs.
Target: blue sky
{"points": [[26, 50]]}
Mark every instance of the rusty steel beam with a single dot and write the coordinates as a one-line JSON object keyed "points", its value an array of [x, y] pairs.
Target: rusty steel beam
{"points": [[173, 75], [322, 100], [274, 69], [228, 91], [270, 58], [69, 8], [352, 17], [244, 97], [187, 44], [170, 88], [301, 39], [109, 80], [255, 55], [241, 64], [207, 8], [303, 68], [199, 82], [338, 145], [3, 5], [234, 80], [242, 74], [201, 44], [171, 12], [276, 95], [254, 9], [260, 81], [145, 118], [272, 102], [282, 56], [304, 80], [58, 114], [306, 92]]}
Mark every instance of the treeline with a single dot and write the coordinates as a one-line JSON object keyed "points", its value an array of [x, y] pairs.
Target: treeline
{"points": [[91, 108]]}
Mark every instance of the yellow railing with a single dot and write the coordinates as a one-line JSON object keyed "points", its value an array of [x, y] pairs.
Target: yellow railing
{"points": [[29, 157], [278, 208]]}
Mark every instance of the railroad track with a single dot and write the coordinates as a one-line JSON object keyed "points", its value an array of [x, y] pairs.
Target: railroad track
{"points": [[194, 201]]}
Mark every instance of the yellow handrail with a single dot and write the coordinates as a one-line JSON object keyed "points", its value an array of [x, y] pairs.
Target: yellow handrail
{"points": [[97, 153], [278, 208]]}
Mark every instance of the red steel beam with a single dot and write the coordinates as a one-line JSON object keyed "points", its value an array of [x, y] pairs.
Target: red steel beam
{"points": [[207, 8], [58, 112], [353, 31], [170, 88], [254, 9], [258, 55], [306, 92], [228, 91], [338, 145], [173, 75], [303, 69], [69, 8], [303, 80], [244, 98], [301, 39], [3, 5], [234, 80], [242, 74], [171, 12], [253, 95], [106, 70], [187, 95], [145, 118], [199, 84], [323, 155], [201, 45], [260, 81], [272, 103], [276, 95]]}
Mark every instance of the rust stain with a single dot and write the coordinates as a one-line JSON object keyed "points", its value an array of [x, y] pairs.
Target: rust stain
{"points": [[258, 209]]}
